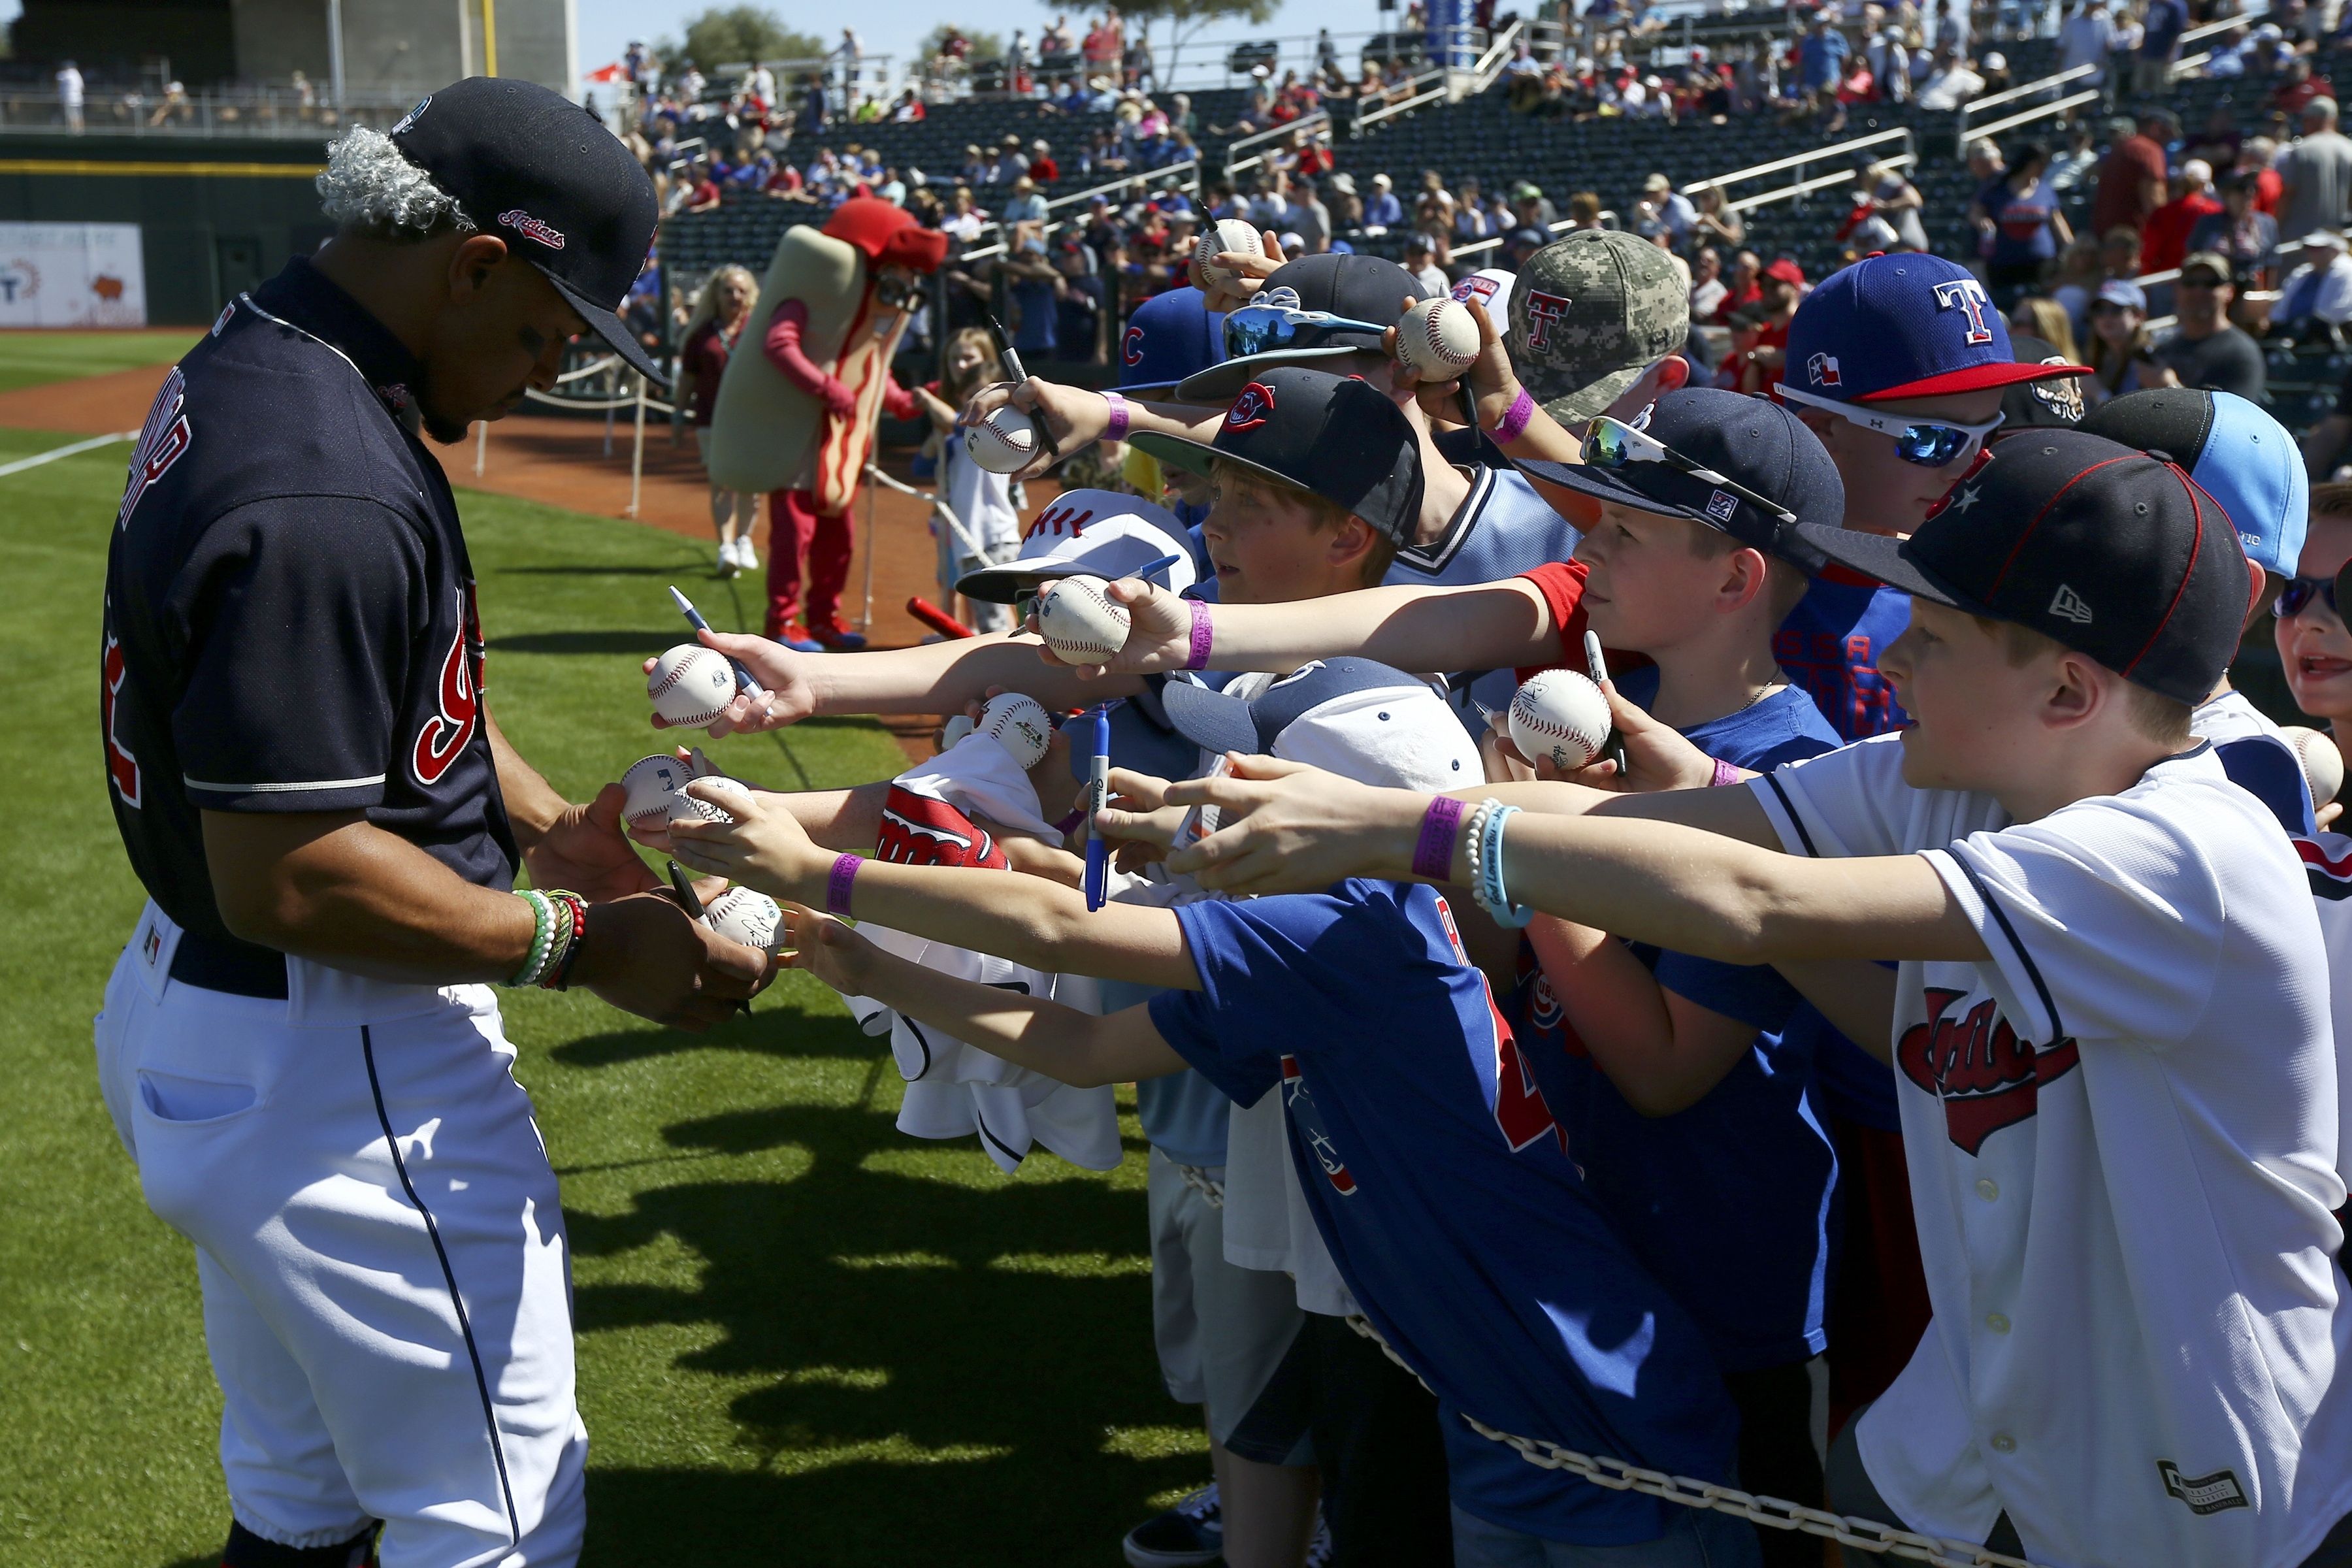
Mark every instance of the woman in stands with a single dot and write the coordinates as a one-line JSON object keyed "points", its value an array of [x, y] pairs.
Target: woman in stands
{"points": [[719, 312], [2120, 360]]}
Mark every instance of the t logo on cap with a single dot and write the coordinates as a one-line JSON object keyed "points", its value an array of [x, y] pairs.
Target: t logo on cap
{"points": [[1968, 296], [1252, 409], [1543, 309], [1823, 369]]}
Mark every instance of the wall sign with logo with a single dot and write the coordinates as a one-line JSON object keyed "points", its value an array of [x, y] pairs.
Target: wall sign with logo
{"points": [[71, 274]]}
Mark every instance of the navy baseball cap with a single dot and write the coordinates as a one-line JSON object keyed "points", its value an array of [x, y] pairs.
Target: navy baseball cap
{"points": [[2111, 551], [1339, 437], [2039, 404], [1348, 716], [2241, 456], [1170, 336], [1361, 288], [1758, 444], [1908, 326], [540, 172]]}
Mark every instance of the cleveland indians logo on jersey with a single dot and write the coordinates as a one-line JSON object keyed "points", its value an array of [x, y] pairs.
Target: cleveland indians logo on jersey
{"points": [[2330, 875], [1967, 296], [1058, 523], [923, 830], [458, 698], [1543, 310], [122, 767], [1985, 1076], [162, 441], [1252, 409]]}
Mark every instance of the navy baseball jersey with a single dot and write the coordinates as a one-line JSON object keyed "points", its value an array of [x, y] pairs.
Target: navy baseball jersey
{"points": [[1442, 1184], [290, 609]]}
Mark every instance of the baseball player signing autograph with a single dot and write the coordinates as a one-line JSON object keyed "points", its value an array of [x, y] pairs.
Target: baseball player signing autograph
{"points": [[300, 1046]]}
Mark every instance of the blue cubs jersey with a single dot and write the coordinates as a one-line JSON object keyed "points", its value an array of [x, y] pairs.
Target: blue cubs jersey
{"points": [[1830, 645], [1440, 1181], [290, 623]]}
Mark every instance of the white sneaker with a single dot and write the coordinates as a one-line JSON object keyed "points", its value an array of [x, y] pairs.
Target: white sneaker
{"points": [[745, 555], [727, 565], [1189, 1535]]}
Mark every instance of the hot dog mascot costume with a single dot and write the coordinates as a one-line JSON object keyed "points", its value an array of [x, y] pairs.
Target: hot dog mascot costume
{"points": [[798, 419]]}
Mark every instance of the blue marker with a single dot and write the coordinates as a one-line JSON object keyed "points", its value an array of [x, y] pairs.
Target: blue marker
{"points": [[743, 681], [1098, 797]]}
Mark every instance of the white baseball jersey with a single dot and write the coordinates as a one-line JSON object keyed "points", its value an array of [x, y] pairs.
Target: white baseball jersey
{"points": [[1267, 1223], [2256, 757], [2122, 1130]]}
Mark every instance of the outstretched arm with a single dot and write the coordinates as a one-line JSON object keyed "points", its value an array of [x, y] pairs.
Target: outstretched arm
{"points": [[1035, 1032], [1662, 1050]]}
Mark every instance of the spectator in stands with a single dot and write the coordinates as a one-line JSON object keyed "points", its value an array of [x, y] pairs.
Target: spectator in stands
{"points": [[1953, 82], [1707, 290], [1471, 222], [724, 305], [1821, 59], [2071, 168], [1899, 201], [2315, 173], [2087, 38], [1346, 204], [1711, 222], [2119, 254], [2316, 296], [2078, 281], [1534, 210], [965, 220], [2205, 350], [2132, 176], [2023, 228], [2121, 355], [2299, 89], [1519, 244], [2167, 239], [1784, 291], [1042, 166], [1383, 210], [2241, 234], [2159, 45], [1420, 260], [1026, 204], [1310, 218], [1673, 208], [1583, 212], [701, 194], [1011, 164], [69, 96]]}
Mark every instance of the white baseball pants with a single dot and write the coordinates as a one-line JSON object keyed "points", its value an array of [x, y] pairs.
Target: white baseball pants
{"points": [[386, 1280]]}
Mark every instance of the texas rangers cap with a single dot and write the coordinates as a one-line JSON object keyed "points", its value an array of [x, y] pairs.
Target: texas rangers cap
{"points": [[1907, 325], [2237, 453], [1591, 311], [542, 173], [1361, 288], [2111, 551], [1088, 533], [1757, 444], [2039, 404], [1348, 716], [1170, 336], [1339, 437]]}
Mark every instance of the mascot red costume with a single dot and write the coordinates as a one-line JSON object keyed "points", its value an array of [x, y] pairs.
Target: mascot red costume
{"points": [[798, 419]]}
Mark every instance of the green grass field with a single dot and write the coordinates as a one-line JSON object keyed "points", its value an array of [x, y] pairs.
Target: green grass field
{"points": [[804, 1338], [37, 359]]}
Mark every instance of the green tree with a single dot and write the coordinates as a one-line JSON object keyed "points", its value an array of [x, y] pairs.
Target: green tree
{"points": [[1185, 18], [735, 34], [984, 45]]}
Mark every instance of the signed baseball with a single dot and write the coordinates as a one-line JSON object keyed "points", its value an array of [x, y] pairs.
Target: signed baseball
{"points": [[1562, 715], [1004, 442], [2323, 763], [691, 684], [1438, 339], [653, 785], [1079, 622], [1019, 724], [1230, 234], [693, 805], [739, 915]]}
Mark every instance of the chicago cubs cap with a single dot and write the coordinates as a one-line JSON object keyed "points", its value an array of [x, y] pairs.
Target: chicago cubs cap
{"points": [[1908, 325], [2039, 404], [1361, 288], [1339, 437], [1088, 533], [542, 173], [2237, 453], [1348, 716], [1169, 337], [2111, 551], [1758, 444], [1591, 311]]}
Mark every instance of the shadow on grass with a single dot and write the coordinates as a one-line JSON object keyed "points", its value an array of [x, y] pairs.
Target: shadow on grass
{"points": [[931, 1372], [612, 642], [588, 569]]}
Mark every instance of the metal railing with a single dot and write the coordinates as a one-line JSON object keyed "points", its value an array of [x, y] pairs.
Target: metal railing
{"points": [[2010, 95], [2246, 19], [1319, 120], [1425, 87], [1840, 153], [1190, 169], [276, 110], [1479, 246]]}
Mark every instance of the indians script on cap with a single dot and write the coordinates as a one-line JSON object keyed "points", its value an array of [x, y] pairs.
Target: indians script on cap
{"points": [[522, 223], [1987, 1077], [918, 830], [1252, 409]]}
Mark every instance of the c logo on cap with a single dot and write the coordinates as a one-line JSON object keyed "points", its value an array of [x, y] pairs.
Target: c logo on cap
{"points": [[1130, 347], [1252, 409]]}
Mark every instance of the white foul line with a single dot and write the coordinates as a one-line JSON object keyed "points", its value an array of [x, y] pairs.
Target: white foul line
{"points": [[21, 464]]}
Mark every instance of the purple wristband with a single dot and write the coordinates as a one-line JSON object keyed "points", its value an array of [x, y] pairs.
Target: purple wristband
{"points": [[1202, 630], [1434, 856], [836, 884], [1117, 429], [1514, 422], [1725, 774]]}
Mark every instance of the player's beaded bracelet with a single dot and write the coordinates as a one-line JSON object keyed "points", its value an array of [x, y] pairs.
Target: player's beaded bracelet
{"points": [[542, 936], [1434, 856], [1514, 420], [838, 884], [1116, 427], [575, 937], [1203, 629], [1473, 832]]}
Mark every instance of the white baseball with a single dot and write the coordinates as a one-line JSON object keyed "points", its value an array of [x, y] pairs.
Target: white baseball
{"points": [[1004, 442], [691, 684], [739, 915], [685, 805], [2323, 763], [1562, 715], [1079, 622], [654, 784], [1228, 234], [1438, 338], [1019, 724]]}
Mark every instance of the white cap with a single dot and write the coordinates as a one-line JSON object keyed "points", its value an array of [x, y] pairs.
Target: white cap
{"points": [[1090, 533], [1491, 287], [1350, 716]]}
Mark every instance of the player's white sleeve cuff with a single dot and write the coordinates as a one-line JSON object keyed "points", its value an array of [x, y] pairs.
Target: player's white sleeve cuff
{"points": [[1780, 810]]}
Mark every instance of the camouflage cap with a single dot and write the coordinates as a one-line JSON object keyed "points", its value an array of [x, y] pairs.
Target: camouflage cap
{"points": [[1590, 312]]}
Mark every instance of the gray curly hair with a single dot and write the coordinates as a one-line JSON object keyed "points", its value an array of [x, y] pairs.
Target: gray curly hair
{"points": [[368, 187]]}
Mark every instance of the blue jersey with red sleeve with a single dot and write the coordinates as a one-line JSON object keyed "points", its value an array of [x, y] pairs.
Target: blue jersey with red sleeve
{"points": [[290, 621], [1830, 645], [1442, 1184]]}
